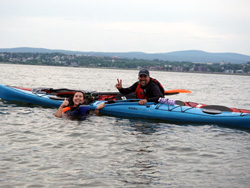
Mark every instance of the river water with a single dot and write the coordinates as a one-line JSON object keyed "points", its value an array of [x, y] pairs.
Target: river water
{"points": [[39, 150]]}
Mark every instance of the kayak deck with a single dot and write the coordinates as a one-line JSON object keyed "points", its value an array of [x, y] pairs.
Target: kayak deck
{"points": [[175, 113]]}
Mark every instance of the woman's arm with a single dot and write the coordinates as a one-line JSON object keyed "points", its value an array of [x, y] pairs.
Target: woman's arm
{"points": [[100, 106], [60, 109]]}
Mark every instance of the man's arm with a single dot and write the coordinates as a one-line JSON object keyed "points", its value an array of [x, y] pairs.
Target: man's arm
{"points": [[153, 93], [129, 89]]}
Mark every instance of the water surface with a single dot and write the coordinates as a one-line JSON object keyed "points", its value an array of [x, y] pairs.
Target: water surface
{"points": [[39, 150]]}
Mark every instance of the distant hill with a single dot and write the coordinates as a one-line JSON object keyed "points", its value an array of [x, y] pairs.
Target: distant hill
{"points": [[188, 55]]}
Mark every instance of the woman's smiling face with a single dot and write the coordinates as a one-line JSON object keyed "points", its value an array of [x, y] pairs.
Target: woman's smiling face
{"points": [[78, 98]]}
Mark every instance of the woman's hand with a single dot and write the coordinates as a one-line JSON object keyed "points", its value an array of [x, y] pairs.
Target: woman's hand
{"points": [[65, 103], [100, 106], [60, 109]]}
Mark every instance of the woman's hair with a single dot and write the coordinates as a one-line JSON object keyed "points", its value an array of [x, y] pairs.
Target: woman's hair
{"points": [[71, 103]]}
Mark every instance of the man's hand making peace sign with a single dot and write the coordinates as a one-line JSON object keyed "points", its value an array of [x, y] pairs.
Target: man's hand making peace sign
{"points": [[119, 84]]}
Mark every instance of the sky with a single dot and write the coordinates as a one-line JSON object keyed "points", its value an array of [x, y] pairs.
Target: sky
{"points": [[150, 26]]}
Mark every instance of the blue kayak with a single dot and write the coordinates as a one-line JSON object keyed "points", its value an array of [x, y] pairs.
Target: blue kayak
{"points": [[179, 113], [47, 97], [175, 113], [20, 95]]}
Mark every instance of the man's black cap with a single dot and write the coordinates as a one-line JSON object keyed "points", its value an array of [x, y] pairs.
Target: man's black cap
{"points": [[144, 72]]}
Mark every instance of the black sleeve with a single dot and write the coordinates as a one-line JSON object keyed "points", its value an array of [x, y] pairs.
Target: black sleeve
{"points": [[153, 93], [129, 89]]}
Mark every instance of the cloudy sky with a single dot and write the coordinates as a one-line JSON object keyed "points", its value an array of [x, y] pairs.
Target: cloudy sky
{"points": [[151, 26]]}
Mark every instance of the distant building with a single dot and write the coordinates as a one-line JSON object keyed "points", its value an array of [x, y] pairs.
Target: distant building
{"points": [[230, 71], [200, 68], [239, 71], [74, 64], [178, 69]]}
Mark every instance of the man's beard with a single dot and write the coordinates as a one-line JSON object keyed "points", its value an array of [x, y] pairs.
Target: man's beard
{"points": [[143, 83]]}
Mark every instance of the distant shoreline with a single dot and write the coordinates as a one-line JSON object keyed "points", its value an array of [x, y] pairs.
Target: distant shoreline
{"points": [[238, 74], [183, 55]]}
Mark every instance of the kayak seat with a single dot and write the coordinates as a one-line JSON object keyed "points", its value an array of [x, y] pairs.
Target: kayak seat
{"points": [[211, 111], [217, 107], [180, 103]]}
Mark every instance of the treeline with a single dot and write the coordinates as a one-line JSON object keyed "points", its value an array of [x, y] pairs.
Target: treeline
{"points": [[59, 59], [82, 60]]}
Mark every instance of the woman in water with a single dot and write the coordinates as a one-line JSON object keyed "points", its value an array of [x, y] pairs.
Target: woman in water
{"points": [[74, 107]]}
